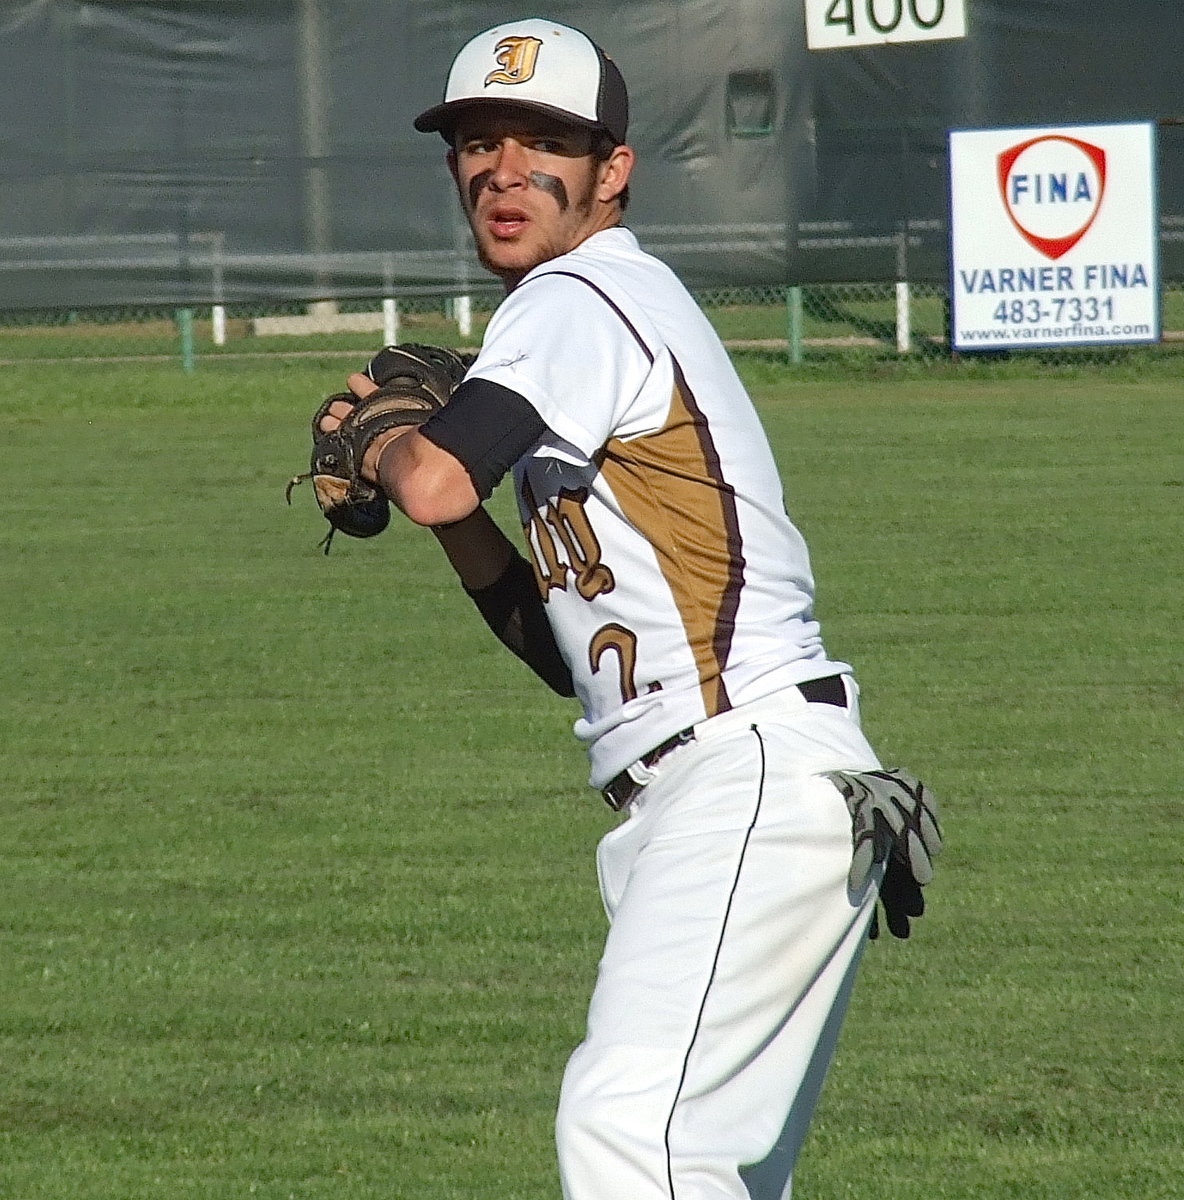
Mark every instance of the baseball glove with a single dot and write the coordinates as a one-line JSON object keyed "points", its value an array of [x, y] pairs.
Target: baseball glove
{"points": [[414, 382], [894, 820]]}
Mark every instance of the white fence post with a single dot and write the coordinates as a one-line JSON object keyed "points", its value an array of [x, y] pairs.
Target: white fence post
{"points": [[904, 333], [463, 308]]}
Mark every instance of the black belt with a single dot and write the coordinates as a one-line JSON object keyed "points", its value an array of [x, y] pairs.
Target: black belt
{"points": [[622, 788]]}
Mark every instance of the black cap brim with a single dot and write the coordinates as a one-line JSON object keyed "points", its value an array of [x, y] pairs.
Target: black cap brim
{"points": [[444, 118]]}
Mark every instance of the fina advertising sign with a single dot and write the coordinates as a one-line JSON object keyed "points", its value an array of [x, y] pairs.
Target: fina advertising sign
{"points": [[1053, 237]]}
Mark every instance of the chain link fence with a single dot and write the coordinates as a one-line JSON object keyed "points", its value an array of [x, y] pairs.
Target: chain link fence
{"points": [[844, 325]]}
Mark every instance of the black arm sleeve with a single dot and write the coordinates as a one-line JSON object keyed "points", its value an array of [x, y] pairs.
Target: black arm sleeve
{"points": [[513, 609], [487, 428]]}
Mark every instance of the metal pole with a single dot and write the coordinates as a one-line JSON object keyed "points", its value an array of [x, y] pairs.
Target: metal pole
{"points": [[185, 326], [793, 303], [314, 132]]}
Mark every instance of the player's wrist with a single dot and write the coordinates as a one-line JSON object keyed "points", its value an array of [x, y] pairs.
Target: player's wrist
{"points": [[373, 460]]}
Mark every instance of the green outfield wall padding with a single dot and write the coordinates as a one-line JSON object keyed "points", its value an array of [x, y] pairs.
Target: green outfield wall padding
{"points": [[190, 153]]}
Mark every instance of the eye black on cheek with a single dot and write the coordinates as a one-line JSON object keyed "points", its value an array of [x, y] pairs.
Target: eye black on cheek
{"points": [[477, 185], [553, 186]]}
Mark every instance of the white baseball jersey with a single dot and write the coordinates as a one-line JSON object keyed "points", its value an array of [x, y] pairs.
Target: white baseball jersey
{"points": [[675, 583]]}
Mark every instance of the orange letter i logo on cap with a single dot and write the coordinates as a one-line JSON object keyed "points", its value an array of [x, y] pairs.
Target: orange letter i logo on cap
{"points": [[517, 56]]}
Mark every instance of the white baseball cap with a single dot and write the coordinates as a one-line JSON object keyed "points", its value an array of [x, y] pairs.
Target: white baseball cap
{"points": [[542, 65]]}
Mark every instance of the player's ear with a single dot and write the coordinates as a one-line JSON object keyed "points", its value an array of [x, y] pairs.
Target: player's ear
{"points": [[613, 173], [450, 158]]}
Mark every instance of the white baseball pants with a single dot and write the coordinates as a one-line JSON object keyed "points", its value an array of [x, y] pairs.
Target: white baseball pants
{"points": [[729, 961]]}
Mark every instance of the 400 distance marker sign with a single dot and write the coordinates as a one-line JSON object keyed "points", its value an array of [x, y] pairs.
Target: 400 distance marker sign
{"points": [[840, 24]]}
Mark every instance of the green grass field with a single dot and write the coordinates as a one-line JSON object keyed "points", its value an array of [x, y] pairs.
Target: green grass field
{"points": [[296, 882]]}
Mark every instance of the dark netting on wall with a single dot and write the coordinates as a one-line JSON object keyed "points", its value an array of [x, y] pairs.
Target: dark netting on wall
{"points": [[881, 115], [238, 153]]}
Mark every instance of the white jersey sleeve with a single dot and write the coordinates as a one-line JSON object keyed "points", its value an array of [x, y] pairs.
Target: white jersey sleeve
{"points": [[556, 342]]}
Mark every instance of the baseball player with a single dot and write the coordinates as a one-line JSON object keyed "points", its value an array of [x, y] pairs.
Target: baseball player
{"points": [[665, 587]]}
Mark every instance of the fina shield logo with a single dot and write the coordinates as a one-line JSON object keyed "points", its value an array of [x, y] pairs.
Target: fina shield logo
{"points": [[1052, 189]]}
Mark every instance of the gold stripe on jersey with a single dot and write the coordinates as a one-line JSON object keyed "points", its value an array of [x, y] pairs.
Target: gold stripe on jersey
{"points": [[670, 486]]}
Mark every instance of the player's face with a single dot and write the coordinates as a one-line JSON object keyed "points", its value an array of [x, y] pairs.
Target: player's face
{"points": [[532, 188]]}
